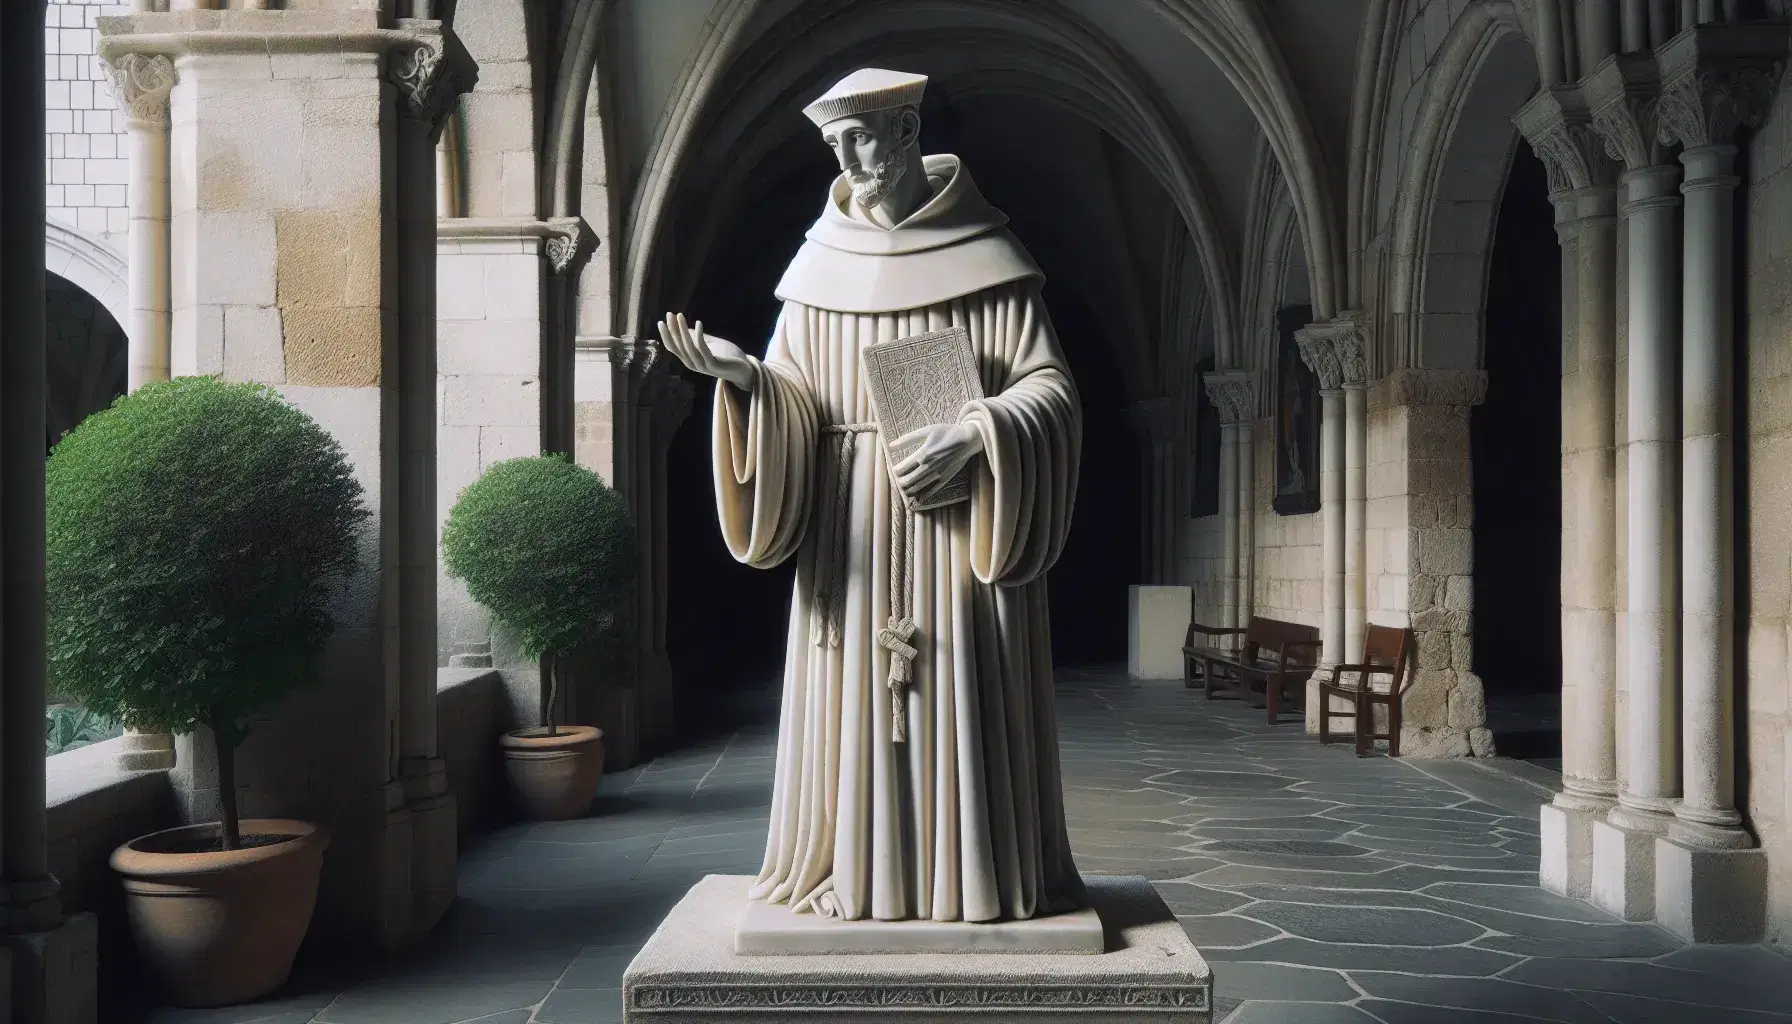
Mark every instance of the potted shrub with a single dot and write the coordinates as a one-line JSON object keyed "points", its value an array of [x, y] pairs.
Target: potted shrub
{"points": [[547, 547], [194, 531]]}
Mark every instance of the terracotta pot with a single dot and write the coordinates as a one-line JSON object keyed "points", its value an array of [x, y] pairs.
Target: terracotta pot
{"points": [[554, 777], [221, 927]]}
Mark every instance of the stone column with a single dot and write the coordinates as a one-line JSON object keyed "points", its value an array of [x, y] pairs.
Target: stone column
{"points": [[1581, 186], [1710, 884], [1233, 398], [1246, 465], [430, 76], [642, 371], [1621, 93], [598, 379], [1335, 351], [303, 252], [1153, 419], [51, 975], [141, 83]]}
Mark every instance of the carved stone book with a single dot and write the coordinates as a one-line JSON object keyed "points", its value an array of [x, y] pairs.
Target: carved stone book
{"points": [[922, 381]]}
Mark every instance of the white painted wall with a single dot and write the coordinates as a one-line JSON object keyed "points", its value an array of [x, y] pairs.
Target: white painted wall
{"points": [[88, 164]]}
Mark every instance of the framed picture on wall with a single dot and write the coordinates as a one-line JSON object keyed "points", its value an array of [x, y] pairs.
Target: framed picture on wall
{"points": [[1204, 482], [1297, 419]]}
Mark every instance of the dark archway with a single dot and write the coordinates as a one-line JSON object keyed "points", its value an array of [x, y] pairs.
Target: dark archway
{"points": [[1515, 439], [727, 623], [86, 353]]}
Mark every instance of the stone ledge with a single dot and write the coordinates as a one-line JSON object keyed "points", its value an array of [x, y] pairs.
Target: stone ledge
{"points": [[688, 972]]}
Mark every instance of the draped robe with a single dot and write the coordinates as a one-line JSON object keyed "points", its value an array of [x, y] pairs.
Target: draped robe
{"points": [[964, 821]]}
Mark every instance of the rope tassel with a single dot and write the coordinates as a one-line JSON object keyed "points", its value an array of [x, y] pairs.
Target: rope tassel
{"points": [[895, 639]]}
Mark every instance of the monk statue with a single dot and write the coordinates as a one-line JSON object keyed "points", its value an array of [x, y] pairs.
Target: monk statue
{"points": [[917, 768]]}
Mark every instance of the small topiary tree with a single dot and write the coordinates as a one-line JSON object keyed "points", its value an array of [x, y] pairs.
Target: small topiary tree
{"points": [[548, 548], [193, 531]]}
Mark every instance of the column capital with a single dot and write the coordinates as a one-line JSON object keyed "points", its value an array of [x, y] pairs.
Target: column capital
{"points": [[1559, 127], [432, 69], [1233, 394], [1623, 94], [569, 241], [1337, 350], [141, 82], [1718, 78]]}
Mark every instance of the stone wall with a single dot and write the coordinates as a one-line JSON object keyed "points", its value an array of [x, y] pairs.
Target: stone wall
{"points": [[1765, 554], [1202, 567], [1421, 540], [1290, 558], [89, 162], [488, 344]]}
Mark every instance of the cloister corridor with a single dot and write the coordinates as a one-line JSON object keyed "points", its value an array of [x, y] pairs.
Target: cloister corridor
{"points": [[1324, 888]]}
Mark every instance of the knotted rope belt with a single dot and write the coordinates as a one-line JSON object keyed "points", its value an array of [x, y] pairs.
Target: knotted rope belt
{"points": [[832, 555]]}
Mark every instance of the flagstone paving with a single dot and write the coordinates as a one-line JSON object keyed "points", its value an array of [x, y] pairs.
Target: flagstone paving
{"points": [[1323, 888]]}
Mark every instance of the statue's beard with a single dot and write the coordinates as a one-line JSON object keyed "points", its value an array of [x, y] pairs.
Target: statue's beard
{"points": [[871, 188]]}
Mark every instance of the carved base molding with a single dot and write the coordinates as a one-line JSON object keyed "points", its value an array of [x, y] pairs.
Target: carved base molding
{"points": [[689, 972]]}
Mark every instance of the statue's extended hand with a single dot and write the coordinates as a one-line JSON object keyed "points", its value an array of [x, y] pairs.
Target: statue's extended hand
{"points": [[944, 452], [706, 354]]}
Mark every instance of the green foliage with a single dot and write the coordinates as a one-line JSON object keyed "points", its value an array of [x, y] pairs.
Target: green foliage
{"points": [[548, 547], [67, 726], [193, 530]]}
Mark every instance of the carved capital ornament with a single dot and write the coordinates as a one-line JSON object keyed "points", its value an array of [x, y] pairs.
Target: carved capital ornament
{"points": [[142, 83], [431, 73], [1233, 395], [569, 240], [1336, 350], [1716, 79], [1560, 130]]}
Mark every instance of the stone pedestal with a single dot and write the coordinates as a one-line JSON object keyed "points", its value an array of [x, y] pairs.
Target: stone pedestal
{"points": [[1157, 625], [1705, 895], [689, 973], [1566, 865], [1623, 881]]}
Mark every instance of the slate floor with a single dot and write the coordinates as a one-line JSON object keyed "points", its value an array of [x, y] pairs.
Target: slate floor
{"points": [[1324, 889]]}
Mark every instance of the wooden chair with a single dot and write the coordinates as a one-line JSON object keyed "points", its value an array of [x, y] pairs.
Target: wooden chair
{"points": [[1386, 652], [1276, 659], [1194, 669]]}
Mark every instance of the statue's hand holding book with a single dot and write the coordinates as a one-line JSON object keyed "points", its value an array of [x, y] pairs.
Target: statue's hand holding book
{"points": [[918, 386]]}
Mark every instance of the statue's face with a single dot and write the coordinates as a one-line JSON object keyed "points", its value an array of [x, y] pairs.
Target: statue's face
{"points": [[873, 151]]}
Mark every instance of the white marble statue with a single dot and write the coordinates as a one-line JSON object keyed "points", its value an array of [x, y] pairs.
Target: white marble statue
{"points": [[944, 803]]}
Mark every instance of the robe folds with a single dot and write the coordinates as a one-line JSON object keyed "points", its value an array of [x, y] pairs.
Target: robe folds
{"points": [[965, 820]]}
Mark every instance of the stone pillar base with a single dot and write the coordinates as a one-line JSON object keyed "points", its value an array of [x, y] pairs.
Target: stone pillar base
{"points": [[434, 840], [689, 973], [1157, 625], [1704, 895], [1566, 867], [54, 975], [1623, 881]]}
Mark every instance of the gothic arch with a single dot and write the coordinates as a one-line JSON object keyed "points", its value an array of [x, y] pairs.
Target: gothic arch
{"points": [[1449, 191], [90, 265], [789, 61], [1237, 37], [1272, 243]]}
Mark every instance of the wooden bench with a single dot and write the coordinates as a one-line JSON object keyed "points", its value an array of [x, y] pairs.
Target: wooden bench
{"points": [[1274, 658], [1386, 651], [1199, 642]]}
